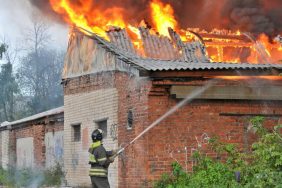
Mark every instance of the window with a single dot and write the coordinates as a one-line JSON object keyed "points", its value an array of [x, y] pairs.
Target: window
{"points": [[129, 119], [76, 133], [103, 126]]}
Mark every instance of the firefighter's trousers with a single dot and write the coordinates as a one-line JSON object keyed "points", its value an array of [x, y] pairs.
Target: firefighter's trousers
{"points": [[100, 182]]}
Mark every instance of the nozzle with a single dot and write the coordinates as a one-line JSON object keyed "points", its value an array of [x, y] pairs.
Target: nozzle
{"points": [[120, 151]]}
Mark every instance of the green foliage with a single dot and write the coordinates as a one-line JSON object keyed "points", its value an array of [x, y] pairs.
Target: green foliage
{"points": [[208, 173], [13, 177], [265, 167], [54, 176], [262, 167], [3, 177], [3, 49], [257, 125], [8, 90], [211, 173], [177, 179]]}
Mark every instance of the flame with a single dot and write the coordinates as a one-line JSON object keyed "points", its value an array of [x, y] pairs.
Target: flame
{"points": [[163, 17], [136, 38], [264, 40], [222, 45], [135, 31], [273, 78], [84, 16]]}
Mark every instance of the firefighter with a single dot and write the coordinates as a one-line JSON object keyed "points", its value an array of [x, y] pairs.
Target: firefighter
{"points": [[99, 159]]}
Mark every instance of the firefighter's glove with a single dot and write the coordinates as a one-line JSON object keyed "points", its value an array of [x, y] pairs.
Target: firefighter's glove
{"points": [[112, 158], [114, 151]]}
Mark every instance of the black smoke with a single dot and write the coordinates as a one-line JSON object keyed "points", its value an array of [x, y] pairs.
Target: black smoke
{"points": [[255, 16]]}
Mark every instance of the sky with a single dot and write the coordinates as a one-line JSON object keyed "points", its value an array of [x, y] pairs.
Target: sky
{"points": [[15, 18]]}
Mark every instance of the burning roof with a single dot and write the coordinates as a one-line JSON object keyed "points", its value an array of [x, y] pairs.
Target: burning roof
{"points": [[89, 53], [116, 24], [222, 45]]}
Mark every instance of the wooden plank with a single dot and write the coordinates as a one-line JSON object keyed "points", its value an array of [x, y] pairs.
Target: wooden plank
{"points": [[231, 92]]}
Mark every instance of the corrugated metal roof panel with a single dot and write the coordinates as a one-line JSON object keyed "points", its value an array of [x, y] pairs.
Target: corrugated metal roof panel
{"points": [[166, 65], [150, 64], [36, 116]]}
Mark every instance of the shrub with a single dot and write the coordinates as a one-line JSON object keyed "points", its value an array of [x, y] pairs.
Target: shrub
{"points": [[54, 176], [262, 167], [27, 177]]}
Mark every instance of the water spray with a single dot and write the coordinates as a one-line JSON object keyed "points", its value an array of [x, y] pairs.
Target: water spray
{"points": [[259, 48], [186, 100]]}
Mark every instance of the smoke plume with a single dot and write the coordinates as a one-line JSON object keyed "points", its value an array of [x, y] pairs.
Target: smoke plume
{"points": [[255, 16]]}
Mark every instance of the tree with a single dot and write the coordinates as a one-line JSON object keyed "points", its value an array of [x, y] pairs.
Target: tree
{"points": [[40, 70], [3, 48], [8, 87]]}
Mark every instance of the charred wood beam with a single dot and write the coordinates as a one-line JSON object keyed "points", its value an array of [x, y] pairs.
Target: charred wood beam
{"points": [[207, 36], [229, 44]]}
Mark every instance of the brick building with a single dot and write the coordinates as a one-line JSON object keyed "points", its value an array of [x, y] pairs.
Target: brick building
{"points": [[33, 142], [114, 87], [109, 85]]}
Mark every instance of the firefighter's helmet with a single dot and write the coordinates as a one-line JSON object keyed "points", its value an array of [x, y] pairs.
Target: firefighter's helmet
{"points": [[97, 135]]}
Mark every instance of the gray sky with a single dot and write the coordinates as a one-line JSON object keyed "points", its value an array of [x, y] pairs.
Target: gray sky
{"points": [[15, 18]]}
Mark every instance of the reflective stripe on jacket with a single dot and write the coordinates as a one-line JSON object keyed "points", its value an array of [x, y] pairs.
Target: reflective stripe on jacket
{"points": [[96, 171]]}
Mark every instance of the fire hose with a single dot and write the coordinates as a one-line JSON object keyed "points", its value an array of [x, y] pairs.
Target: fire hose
{"points": [[188, 98]]}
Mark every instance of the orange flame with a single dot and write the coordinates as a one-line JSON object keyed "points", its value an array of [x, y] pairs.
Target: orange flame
{"points": [[238, 32], [222, 45], [273, 78], [264, 40], [136, 39], [135, 31], [84, 16], [163, 17]]}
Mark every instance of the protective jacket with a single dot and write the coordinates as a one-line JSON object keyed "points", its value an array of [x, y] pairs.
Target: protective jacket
{"points": [[98, 159]]}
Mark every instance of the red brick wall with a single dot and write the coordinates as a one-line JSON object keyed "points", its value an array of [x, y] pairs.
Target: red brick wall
{"points": [[152, 155], [37, 131], [133, 94], [179, 134], [12, 147]]}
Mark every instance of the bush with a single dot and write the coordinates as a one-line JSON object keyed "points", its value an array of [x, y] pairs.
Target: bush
{"points": [[209, 174], [178, 178], [54, 176], [262, 167], [13, 177]]}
